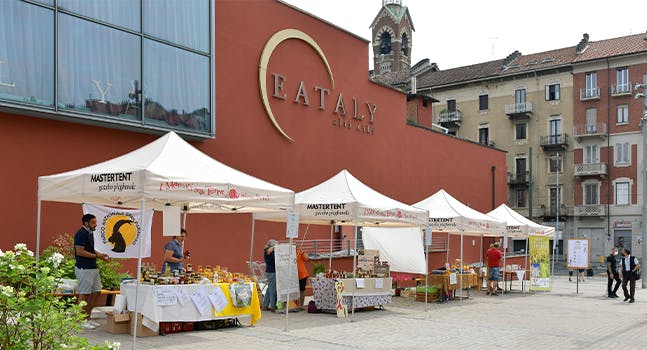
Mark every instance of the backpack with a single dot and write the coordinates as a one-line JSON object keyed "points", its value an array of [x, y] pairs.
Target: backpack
{"points": [[312, 308]]}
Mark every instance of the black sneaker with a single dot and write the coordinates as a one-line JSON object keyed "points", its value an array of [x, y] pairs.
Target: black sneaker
{"points": [[610, 296], [614, 295], [631, 300], [627, 298]]}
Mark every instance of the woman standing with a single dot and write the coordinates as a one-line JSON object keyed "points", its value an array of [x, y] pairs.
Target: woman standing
{"points": [[269, 301]]}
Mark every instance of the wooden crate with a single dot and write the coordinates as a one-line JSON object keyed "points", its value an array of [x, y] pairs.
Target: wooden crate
{"points": [[431, 297]]}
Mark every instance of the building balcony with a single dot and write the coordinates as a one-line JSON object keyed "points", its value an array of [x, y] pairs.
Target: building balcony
{"points": [[550, 211], [450, 119], [591, 169], [518, 110], [591, 210], [583, 131], [621, 90], [519, 179], [589, 94], [554, 142]]}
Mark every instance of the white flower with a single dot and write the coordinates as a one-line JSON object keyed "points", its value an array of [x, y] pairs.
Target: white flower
{"points": [[56, 259], [20, 246], [64, 346], [6, 290], [45, 269], [1, 253], [30, 253], [113, 346]]}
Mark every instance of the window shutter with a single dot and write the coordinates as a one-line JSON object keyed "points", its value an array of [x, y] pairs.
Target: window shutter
{"points": [[557, 91], [547, 92], [626, 152]]}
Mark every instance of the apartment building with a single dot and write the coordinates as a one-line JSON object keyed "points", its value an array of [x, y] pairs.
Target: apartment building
{"points": [[607, 150]]}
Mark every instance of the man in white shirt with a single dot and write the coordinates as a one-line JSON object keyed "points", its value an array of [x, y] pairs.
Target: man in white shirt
{"points": [[630, 266]]}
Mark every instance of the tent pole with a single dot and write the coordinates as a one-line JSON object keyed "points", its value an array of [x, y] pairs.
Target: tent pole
{"points": [[287, 297], [354, 274], [427, 240], [447, 255], [460, 267], [38, 232], [139, 274], [505, 247], [332, 228], [251, 246], [526, 267]]}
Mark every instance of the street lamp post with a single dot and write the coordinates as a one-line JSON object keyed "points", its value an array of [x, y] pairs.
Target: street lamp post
{"points": [[643, 124]]}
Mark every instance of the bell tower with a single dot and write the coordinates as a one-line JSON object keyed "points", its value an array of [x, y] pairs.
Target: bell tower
{"points": [[392, 31]]}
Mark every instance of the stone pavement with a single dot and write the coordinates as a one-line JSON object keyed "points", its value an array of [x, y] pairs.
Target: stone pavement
{"points": [[560, 319]]}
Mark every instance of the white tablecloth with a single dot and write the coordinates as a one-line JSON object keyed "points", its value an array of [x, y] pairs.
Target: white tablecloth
{"points": [[169, 313]]}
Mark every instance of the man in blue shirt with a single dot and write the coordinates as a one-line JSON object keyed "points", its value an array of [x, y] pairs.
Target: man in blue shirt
{"points": [[85, 269], [173, 255]]}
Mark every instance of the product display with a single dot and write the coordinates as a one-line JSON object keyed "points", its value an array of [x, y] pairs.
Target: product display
{"points": [[188, 275]]}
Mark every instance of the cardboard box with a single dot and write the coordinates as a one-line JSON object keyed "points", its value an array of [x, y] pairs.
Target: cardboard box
{"points": [[117, 323], [142, 331]]}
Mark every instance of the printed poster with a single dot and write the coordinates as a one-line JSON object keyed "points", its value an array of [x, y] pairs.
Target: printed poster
{"points": [[120, 231], [287, 278], [578, 254], [539, 249]]}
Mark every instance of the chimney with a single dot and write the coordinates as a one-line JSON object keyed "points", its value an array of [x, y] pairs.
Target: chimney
{"points": [[645, 37], [414, 87], [583, 44], [511, 57]]}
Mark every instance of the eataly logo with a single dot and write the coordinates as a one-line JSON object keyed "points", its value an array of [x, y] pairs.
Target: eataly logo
{"points": [[350, 117]]}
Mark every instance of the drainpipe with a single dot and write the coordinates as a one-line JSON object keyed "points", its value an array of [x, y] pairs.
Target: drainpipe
{"points": [[530, 184], [609, 167], [493, 187]]}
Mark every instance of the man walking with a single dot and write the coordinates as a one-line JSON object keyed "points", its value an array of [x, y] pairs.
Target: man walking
{"points": [[494, 256], [86, 270], [629, 267], [612, 273]]}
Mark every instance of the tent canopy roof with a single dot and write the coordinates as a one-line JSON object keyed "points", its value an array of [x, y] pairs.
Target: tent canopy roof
{"points": [[518, 225], [167, 171], [447, 214], [344, 200]]}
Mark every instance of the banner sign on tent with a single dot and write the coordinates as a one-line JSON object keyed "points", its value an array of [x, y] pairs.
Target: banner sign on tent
{"points": [[116, 183], [120, 231], [292, 229], [285, 257], [428, 235], [539, 248], [171, 221]]}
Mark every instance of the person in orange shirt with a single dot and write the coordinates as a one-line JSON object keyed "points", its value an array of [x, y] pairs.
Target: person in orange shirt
{"points": [[302, 257]]}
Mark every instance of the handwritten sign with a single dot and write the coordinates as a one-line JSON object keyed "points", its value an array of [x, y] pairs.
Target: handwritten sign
{"points": [[292, 230], [218, 299], [201, 300], [379, 283], [360, 283], [182, 296], [578, 253], [452, 278], [165, 295]]}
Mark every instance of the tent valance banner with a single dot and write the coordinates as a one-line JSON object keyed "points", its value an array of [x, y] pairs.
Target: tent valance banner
{"points": [[120, 231], [518, 225]]}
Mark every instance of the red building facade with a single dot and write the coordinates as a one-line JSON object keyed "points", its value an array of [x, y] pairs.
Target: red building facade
{"points": [[354, 124]]}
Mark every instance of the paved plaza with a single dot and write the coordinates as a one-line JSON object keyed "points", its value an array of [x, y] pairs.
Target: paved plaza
{"points": [[560, 319]]}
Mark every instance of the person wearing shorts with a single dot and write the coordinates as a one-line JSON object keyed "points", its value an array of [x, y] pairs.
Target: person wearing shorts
{"points": [[494, 256], [85, 269]]}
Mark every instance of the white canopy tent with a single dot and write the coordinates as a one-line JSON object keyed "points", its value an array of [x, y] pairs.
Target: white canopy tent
{"points": [[167, 171], [447, 214], [519, 226], [344, 200]]}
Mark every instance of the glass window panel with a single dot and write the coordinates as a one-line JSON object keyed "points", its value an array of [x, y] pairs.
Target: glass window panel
{"points": [[98, 68], [124, 13], [46, 2], [26, 53], [185, 22], [176, 88], [622, 193], [483, 102]]}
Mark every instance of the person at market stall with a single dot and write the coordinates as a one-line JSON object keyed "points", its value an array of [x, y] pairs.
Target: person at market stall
{"points": [[302, 257], [269, 301], [630, 267], [85, 268], [173, 254], [494, 256], [612, 273]]}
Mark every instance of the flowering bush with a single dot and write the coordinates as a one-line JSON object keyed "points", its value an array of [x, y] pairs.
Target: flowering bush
{"points": [[31, 317]]}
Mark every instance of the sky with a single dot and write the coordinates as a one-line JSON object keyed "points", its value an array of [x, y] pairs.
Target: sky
{"points": [[463, 32]]}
